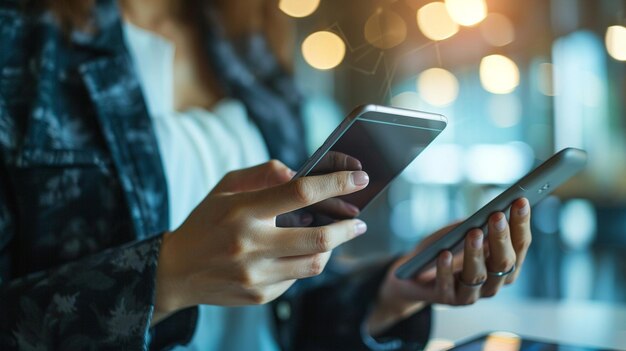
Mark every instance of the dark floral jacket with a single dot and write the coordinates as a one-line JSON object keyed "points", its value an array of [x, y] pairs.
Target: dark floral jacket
{"points": [[83, 196]]}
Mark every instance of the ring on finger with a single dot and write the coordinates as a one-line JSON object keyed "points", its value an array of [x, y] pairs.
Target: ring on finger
{"points": [[472, 285], [503, 273]]}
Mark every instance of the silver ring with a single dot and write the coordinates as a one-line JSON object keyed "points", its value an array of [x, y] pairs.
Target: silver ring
{"points": [[473, 285], [502, 274]]}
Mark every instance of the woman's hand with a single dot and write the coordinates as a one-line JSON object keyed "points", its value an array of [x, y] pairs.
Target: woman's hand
{"points": [[459, 280], [229, 251]]}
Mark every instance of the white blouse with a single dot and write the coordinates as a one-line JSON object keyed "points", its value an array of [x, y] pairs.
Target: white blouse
{"points": [[198, 147]]}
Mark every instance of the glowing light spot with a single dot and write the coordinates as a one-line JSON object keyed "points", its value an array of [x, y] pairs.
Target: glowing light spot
{"points": [[467, 12], [502, 341], [615, 40], [506, 162], [323, 50], [437, 86], [578, 224], [498, 74], [497, 30], [385, 29], [435, 22], [298, 8]]}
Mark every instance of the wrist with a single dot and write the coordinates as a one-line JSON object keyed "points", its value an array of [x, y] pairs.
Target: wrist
{"points": [[167, 295]]}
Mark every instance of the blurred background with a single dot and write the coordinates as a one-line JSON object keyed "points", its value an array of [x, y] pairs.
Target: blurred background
{"points": [[518, 81]]}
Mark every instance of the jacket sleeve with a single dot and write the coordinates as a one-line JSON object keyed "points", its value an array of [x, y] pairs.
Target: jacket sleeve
{"points": [[333, 316], [104, 301]]}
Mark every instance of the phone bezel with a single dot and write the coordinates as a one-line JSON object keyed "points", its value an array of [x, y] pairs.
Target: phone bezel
{"points": [[387, 114]]}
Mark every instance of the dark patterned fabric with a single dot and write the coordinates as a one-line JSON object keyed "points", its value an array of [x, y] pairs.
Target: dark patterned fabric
{"points": [[83, 197]]}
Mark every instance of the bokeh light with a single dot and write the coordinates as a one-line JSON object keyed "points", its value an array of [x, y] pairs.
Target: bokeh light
{"points": [[502, 341], [578, 224], [437, 86], [323, 50], [498, 74], [298, 8], [385, 29], [467, 12], [497, 30], [435, 22], [615, 40]]}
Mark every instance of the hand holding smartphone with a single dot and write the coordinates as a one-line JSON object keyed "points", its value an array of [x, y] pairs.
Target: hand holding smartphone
{"points": [[535, 186]]}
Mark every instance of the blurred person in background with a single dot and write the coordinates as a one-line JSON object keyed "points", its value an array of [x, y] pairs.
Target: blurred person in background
{"points": [[116, 121]]}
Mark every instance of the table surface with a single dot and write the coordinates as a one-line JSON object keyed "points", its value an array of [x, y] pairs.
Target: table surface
{"points": [[581, 323]]}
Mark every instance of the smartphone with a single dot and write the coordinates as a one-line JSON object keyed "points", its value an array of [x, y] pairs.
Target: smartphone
{"points": [[535, 186], [504, 341], [379, 140]]}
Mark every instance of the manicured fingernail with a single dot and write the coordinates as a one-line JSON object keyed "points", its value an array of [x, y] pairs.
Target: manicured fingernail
{"points": [[360, 227], [500, 224], [477, 242], [360, 178], [353, 209], [524, 210]]}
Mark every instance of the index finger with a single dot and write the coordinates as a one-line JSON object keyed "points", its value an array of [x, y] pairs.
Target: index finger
{"points": [[335, 161], [291, 242], [305, 191], [521, 236]]}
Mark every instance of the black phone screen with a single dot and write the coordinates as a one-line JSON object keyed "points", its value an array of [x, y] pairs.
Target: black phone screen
{"points": [[503, 342], [379, 143], [383, 150]]}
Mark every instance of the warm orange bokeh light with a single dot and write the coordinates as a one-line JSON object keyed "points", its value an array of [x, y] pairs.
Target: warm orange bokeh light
{"points": [[323, 50], [498, 74], [615, 40], [467, 12], [435, 22], [437, 86], [502, 341], [298, 8]]}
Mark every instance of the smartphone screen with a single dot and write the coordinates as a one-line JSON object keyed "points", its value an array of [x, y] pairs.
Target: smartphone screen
{"points": [[383, 146], [502, 341], [381, 141]]}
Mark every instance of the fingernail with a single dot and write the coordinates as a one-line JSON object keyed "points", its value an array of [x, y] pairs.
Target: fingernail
{"points": [[353, 209], [477, 242], [360, 227], [524, 210], [447, 260], [500, 224], [291, 173], [360, 178]]}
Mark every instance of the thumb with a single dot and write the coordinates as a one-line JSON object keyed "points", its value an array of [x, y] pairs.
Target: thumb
{"points": [[259, 177]]}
